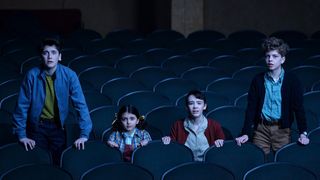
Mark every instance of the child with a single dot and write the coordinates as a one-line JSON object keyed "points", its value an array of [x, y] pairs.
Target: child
{"points": [[274, 99], [128, 131], [196, 131], [43, 104]]}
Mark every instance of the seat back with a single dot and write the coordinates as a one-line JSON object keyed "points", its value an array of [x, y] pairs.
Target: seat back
{"points": [[144, 100], [6, 135], [227, 63], [248, 73], [157, 157], [97, 75], [156, 119], [300, 155], [149, 76], [203, 171], [37, 171], [237, 159], [81, 63], [173, 88], [129, 64], [13, 155], [204, 55], [115, 171], [179, 64], [9, 103], [102, 118], [311, 102], [241, 101], [279, 171], [229, 87], [164, 37], [203, 75], [158, 55], [95, 99], [118, 87], [95, 153], [9, 87], [206, 35], [307, 75], [230, 117], [314, 135]]}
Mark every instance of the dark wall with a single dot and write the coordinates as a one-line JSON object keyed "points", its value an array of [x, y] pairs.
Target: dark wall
{"points": [[225, 16], [30, 22], [264, 15], [106, 15], [153, 15]]}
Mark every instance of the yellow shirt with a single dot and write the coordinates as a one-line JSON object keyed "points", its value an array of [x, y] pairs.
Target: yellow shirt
{"points": [[50, 109]]}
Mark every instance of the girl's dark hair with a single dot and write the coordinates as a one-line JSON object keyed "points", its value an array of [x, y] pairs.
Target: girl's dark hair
{"points": [[117, 125], [50, 42], [277, 44], [198, 94]]}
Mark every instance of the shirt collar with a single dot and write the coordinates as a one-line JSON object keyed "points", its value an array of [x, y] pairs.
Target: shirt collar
{"points": [[54, 75], [268, 77], [136, 132], [202, 126]]}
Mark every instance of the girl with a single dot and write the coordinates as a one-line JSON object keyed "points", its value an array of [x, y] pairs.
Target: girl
{"points": [[128, 131], [196, 131]]}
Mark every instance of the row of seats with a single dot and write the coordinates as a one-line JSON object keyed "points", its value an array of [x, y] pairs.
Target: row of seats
{"points": [[166, 37], [20, 52], [181, 71], [204, 171], [220, 93], [171, 90], [113, 83], [19, 61], [157, 160], [230, 114]]}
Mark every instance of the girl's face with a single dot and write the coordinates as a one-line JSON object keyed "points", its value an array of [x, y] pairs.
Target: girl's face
{"points": [[195, 106], [129, 121]]}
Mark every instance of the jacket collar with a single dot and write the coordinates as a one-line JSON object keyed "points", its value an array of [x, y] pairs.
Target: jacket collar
{"points": [[55, 74]]}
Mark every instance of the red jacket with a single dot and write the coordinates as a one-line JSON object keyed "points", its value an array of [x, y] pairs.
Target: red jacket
{"points": [[212, 133]]}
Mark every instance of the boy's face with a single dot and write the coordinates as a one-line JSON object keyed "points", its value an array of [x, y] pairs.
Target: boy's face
{"points": [[195, 106], [274, 60], [51, 56]]}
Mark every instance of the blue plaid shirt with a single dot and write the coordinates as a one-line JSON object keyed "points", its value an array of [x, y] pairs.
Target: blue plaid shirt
{"points": [[138, 136]]}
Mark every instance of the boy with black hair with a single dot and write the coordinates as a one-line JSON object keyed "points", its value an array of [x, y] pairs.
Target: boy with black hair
{"points": [[42, 105]]}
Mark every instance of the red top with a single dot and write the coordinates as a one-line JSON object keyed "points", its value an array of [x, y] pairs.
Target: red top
{"points": [[212, 133], [127, 153]]}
